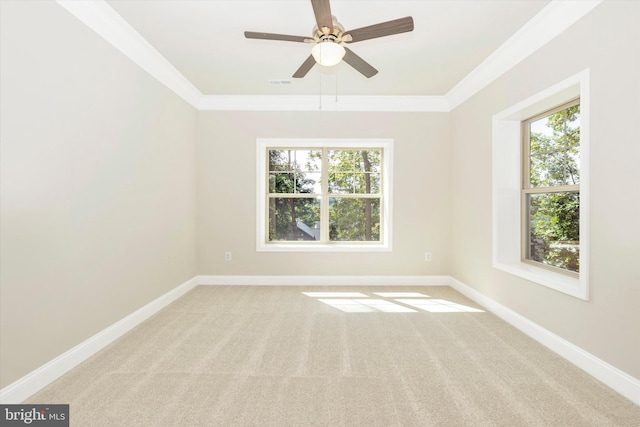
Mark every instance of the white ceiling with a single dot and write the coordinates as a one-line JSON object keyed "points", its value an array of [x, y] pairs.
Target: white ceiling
{"points": [[204, 41]]}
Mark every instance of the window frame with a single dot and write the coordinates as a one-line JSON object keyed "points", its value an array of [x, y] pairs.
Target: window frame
{"points": [[507, 186], [385, 197], [527, 189]]}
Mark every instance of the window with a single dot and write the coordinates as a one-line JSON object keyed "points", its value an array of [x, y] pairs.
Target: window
{"points": [[551, 188], [541, 187], [323, 194]]}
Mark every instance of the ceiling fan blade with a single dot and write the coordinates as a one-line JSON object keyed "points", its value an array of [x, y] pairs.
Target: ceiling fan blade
{"points": [[269, 36], [397, 26], [359, 64], [304, 68], [322, 11]]}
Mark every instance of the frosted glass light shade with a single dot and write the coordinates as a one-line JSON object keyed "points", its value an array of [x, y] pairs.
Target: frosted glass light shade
{"points": [[327, 53]]}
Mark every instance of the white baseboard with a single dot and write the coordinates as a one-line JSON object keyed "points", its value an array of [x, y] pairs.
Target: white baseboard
{"points": [[31, 383], [618, 380], [325, 280]]}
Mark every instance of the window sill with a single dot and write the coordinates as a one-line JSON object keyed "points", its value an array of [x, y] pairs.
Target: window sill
{"points": [[545, 277], [337, 247]]}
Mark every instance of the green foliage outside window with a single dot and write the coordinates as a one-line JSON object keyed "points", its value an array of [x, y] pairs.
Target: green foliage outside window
{"points": [[353, 181], [553, 218], [288, 176]]}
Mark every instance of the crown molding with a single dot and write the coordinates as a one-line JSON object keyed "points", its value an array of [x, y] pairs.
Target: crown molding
{"points": [[551, 21], [105, 21], [323, 103]]}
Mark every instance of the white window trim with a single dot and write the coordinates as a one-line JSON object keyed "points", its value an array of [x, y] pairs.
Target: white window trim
{"points": [[507, 185], [387, 195]]}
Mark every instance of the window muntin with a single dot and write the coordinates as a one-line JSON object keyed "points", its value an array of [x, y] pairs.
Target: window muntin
{"points": [[294, 171], [354, 171], [551, 188], [317, 196]]}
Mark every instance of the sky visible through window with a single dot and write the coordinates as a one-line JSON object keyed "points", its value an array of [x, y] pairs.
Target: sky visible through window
{"points": [[541, 126]]}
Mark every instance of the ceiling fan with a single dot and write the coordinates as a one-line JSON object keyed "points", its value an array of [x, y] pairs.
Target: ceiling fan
{"points": [[329, 36]]}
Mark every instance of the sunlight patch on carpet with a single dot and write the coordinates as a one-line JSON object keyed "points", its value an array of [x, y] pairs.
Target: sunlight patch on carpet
{"points": [[439, 306]]}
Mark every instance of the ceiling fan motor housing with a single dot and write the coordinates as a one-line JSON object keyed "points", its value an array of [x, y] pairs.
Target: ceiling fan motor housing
{"points": [[328, 34]]}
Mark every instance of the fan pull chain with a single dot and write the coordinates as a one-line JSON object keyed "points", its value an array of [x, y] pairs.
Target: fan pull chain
{"points": [[320, 96]]}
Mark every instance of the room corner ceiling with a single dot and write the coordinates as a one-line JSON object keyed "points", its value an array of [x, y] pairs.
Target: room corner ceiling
{"points": [[197, 49]]}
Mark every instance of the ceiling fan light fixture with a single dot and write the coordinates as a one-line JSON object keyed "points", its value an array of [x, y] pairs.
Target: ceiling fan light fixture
{"points": [[328, 53]]}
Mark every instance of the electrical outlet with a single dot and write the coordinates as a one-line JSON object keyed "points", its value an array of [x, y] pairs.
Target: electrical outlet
{"points": [[227, 256], [427, 256]]}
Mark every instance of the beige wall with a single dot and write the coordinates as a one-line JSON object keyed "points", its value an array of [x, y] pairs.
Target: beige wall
{"points": [[101, 205], [97, 186], [608, 325], [227, 198]]}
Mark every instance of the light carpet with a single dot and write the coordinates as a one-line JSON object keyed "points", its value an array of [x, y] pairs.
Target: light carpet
{"points": [[274, 356]]}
